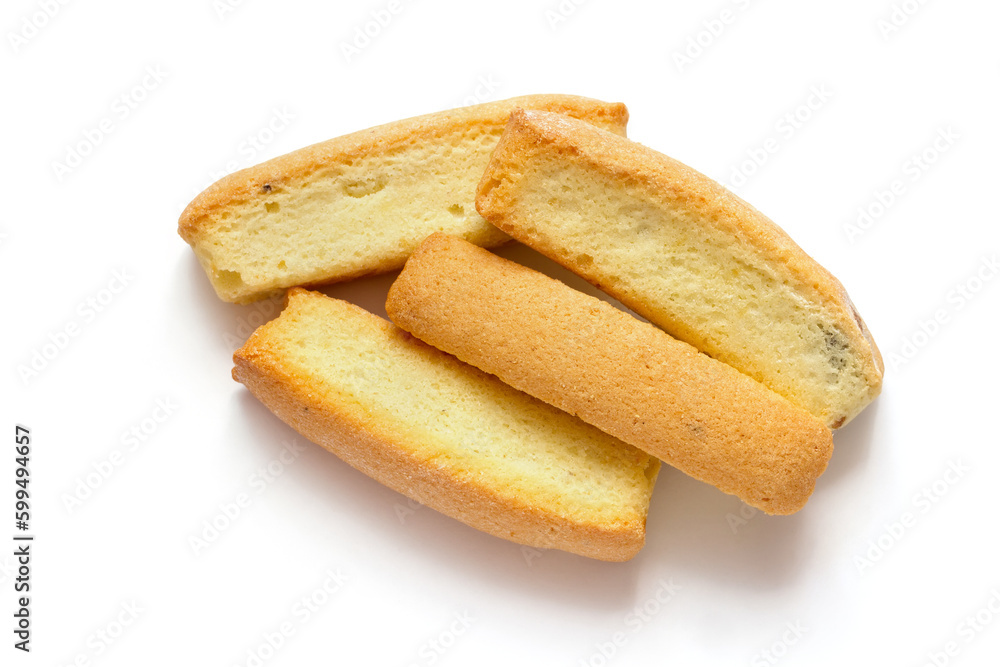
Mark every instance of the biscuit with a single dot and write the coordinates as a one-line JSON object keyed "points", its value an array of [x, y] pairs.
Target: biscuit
{"points": [[686, 254], [446, 434], [357, 204], [625, 376]]}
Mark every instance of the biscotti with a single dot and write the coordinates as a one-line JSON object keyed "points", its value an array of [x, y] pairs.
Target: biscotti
{"points": [[358, 204], [685, 253], [446, 434], [624, 376]]}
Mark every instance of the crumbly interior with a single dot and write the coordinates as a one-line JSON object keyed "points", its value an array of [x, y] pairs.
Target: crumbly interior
{"points": [[701, 284], [350, 215], [458, 418]]}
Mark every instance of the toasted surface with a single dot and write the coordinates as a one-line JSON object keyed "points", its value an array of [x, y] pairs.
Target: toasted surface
{"points": [[445, 433], [626, 377], [360, 203], [685, 253]]}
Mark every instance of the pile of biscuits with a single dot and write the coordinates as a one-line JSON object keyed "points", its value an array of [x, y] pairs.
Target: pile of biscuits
{"points": [[498, 395]]}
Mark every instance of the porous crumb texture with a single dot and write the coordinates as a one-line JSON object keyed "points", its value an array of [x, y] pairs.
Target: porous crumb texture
{"points": [[624, 376], [446, 434], [358, 204], [685, 253]]}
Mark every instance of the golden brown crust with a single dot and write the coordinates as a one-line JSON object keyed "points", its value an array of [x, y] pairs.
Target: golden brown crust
{"points": [[624, 376], [372, 448], [668, 180], [297, 165]]}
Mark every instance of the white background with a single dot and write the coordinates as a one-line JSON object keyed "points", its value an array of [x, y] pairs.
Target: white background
{"points": [[740, 581]]}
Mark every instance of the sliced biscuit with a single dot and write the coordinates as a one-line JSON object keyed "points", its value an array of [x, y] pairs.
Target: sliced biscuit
{"points": [[446, 434], [358, 204], [685, 253]]}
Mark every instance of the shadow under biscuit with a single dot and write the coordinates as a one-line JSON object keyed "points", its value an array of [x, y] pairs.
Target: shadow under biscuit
{"points": [[369, 292], [851, 446], [225, 325], [700, 533]]}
